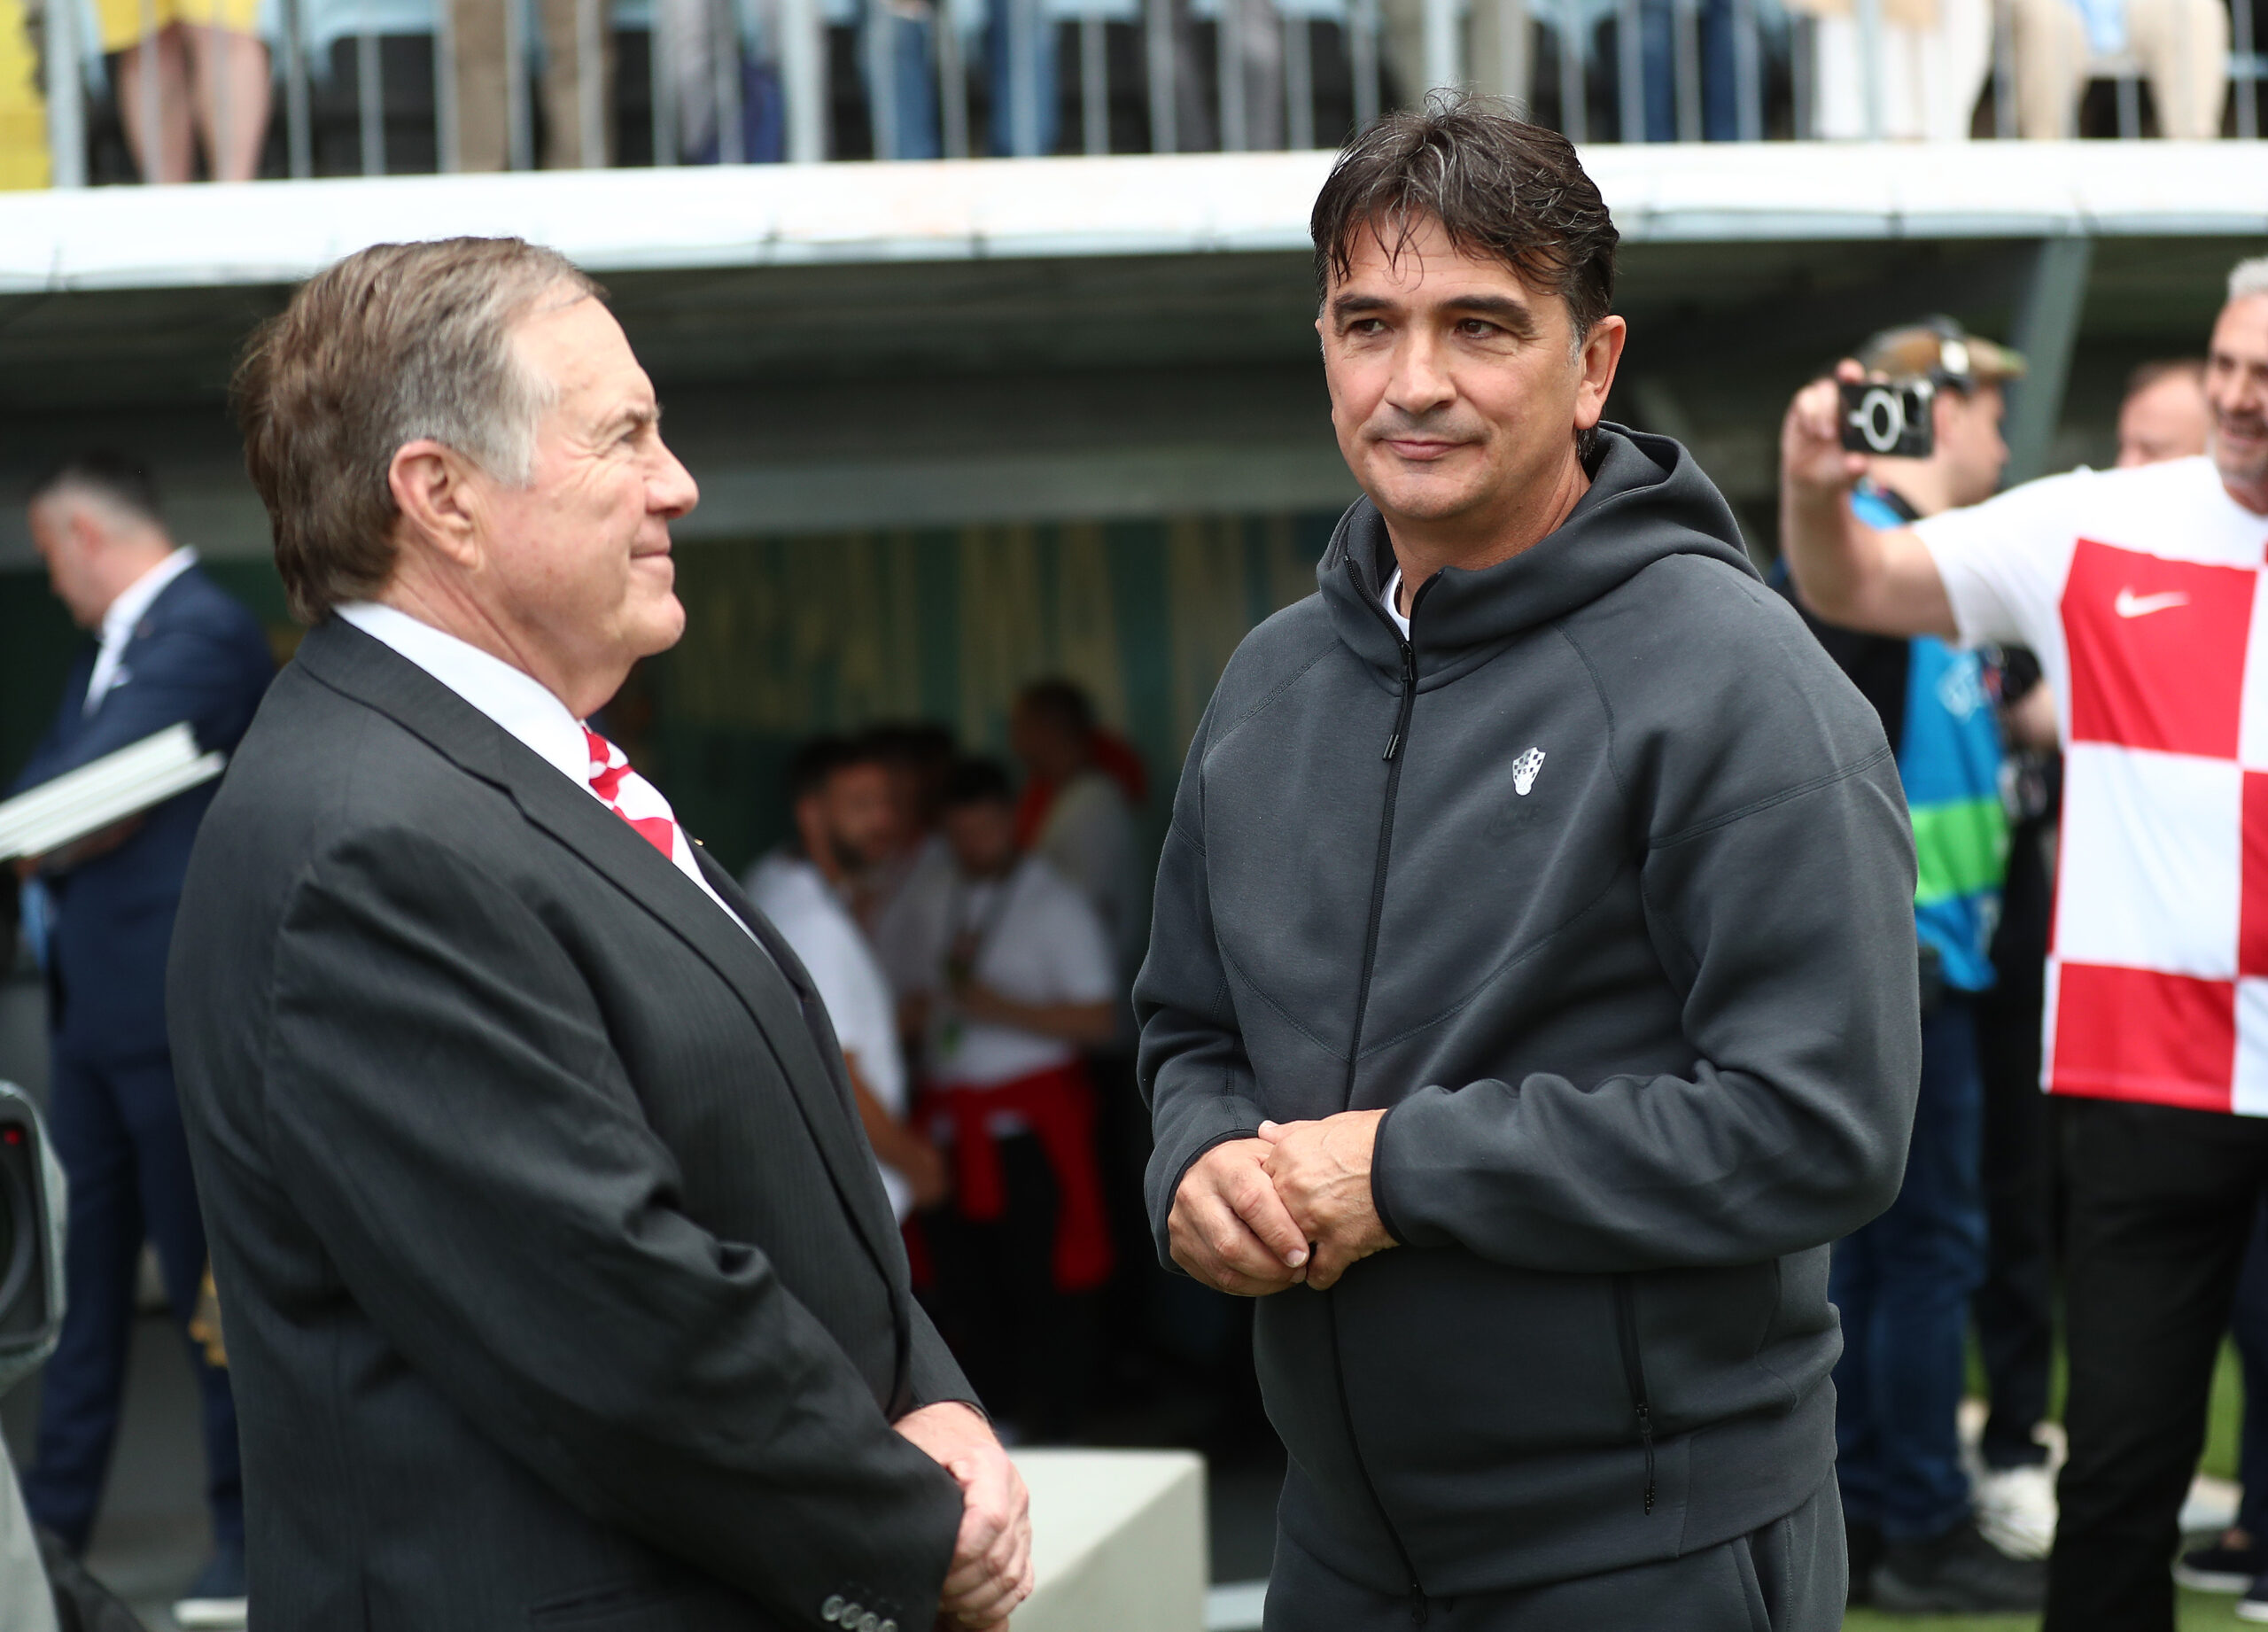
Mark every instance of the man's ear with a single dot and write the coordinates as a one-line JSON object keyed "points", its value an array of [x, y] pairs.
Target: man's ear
{"points": [[437, 493], [1601, 356]]}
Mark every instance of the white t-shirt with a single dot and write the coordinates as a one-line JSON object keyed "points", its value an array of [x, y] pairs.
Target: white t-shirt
{"points": [[811, 918], [2141, 591], [1039, 942], [1088, 838], [1392, 595]]}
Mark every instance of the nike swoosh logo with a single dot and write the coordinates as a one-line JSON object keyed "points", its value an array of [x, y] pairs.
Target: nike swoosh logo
{"points": [[2131, 605]]}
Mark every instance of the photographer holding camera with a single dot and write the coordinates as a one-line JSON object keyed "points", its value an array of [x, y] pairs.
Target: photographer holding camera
{"points": [[1929, 415], [2137, 589]]}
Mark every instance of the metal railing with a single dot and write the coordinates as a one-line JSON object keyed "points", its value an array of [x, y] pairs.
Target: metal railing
{"points": [[374, 87]]}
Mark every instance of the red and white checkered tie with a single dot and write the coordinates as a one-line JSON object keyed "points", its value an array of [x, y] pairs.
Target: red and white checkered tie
{"points": [[631, 795]]}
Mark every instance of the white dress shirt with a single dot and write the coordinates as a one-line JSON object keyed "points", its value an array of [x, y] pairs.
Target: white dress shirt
{"points": [[515, 700], [124, 613]]}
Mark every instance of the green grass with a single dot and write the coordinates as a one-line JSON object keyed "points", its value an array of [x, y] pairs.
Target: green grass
{"points": [[2200, 1612]]}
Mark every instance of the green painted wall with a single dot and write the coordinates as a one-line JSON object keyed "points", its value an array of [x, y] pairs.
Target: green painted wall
{"points": [[786, 637]]}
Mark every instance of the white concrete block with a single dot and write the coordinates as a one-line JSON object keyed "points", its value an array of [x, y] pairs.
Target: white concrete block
{"points": [[1118, 1541]]}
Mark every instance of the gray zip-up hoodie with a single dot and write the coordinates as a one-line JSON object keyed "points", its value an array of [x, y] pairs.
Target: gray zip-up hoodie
{"points": [[1603, 884]]}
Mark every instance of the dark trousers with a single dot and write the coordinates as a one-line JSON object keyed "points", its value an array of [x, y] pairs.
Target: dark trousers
{"points": [[2015, 1308], [2163, 1204], [117, 1130], [1787, 1577], [2250, 1326], [1029, 1348], [1903, 1284]]}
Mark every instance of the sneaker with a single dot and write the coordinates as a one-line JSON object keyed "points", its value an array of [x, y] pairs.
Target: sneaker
{"points": [[215, 1601], [2015, 1508], [2254, 1604], [1958, 1572], [2221, 1567]]}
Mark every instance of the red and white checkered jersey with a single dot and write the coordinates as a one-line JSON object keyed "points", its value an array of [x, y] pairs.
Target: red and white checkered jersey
{"points": [[2142, 593]]}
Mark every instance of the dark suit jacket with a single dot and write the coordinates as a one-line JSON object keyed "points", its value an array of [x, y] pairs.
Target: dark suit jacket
{"points": [[198, 656], [560, 1287]]}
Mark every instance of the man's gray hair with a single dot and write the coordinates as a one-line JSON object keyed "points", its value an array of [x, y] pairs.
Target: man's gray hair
{"points": [[2248, 278], [395, 344]]}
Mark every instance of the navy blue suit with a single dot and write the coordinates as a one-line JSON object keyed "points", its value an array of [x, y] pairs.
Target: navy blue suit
{"points": [[198, 656]]}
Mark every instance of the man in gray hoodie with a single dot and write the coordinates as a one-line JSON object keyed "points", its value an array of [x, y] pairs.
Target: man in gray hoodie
{"points": [[1532, 991]]}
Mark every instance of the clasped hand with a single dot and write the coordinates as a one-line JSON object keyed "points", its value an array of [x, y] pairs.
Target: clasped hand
{"points": [[991, 1572], [1293, 1206]]}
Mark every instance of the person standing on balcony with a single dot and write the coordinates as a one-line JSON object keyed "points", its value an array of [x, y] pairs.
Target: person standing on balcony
{"points": [[2181, 46], [1531, 994], [1918, 79], [190, 73], [2136, 590], [483, 71], [170, 647]]}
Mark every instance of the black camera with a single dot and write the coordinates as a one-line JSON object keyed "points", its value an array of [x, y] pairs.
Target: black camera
{"points": [[31, 1239], [1888, 418]]}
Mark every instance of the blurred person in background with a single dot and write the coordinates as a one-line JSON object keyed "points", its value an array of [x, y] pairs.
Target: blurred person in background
{"points": [[170, 647], [2165, 414], [1921, 1539], [1920, 85], [201, 69], [2182, 45], [2135, 588], [1020, 980], [482, 70], [846, 817], [1079, 824], [887, 901]]}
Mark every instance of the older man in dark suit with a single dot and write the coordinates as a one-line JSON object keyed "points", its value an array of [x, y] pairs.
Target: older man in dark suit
{"points": [[170, 647], [561, 1289]]}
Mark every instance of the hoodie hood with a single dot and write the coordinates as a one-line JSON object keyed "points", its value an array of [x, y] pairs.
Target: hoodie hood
{"points": [[1648, 499]]}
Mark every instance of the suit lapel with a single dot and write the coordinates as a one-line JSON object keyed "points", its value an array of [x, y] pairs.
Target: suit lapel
{"points": [[348, 660]]}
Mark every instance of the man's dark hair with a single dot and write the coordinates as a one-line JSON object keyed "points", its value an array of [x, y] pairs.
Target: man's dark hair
{"points": [[976, 782], [1062, 702], [1500, 187], [821, 758], [115, 478], [918, 742]]}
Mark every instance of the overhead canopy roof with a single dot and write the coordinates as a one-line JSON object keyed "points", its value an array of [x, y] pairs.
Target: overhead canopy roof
{"points": [[623, 221]]}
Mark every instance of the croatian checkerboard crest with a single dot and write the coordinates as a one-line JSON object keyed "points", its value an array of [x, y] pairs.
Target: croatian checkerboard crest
{"points": [[1524, 770]]}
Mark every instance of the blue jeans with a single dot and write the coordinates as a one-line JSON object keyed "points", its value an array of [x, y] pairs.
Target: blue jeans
{"points": [[1903, 1284], [118, 1134], [895, 59], [1657, 41], [1020, 62]]}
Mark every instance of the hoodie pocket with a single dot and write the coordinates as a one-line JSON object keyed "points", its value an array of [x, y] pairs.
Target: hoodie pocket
{"points": [[1633, 1372]]}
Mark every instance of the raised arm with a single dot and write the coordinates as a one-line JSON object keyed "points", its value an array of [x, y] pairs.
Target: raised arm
{"points": [[1880, 580]]}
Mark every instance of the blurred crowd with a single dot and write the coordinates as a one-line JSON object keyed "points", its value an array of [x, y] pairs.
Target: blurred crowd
{"points": [[412, 84]]}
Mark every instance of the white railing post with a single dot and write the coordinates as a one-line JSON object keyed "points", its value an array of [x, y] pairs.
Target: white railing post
{"points": [[66, 99], [802, 78]]}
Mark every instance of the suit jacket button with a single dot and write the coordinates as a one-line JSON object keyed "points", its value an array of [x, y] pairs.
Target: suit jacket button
{"points": [[887, 1625], [849, 1615], [831, 1610], [870, 1622]]}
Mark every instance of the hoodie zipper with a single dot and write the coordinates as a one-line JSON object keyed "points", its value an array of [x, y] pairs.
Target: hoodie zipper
{"points": [[1418, 1609], [1633, 1372]]}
